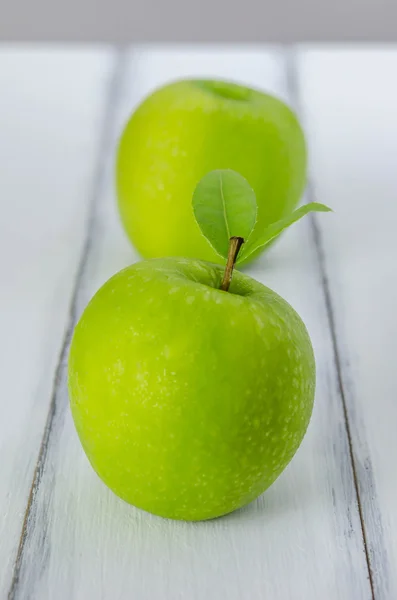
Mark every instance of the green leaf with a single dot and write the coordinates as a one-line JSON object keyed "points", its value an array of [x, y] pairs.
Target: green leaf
{"points": [[224, 205], [276, 228]]}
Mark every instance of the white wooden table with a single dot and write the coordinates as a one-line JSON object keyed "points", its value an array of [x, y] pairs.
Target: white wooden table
{"points": [[327, 529]]}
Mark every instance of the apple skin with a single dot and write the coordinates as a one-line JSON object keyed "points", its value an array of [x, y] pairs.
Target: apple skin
{"points": [[190, 127], [189, 401]]}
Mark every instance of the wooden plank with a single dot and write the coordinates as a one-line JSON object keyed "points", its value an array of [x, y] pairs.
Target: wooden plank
{"points": [[350, 100], [302, 539], [51, 105]]}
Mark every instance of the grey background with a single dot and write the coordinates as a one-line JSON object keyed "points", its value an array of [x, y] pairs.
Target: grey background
{"points": [[198, 21]]}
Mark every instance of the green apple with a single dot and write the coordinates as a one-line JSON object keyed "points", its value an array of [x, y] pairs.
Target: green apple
{"points": [[184, 130], [189, 401]]}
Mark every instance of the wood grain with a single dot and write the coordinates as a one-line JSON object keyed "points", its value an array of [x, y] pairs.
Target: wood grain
{"points": [[353, 141], [50, 109], [300, 540]]}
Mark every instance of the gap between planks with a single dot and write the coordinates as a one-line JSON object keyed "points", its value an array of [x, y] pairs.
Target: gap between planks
{"points": [[113, 89], [318, 244], [294, 93]]}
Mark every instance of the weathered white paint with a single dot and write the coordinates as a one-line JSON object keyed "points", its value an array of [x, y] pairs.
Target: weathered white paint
{"points": [[301, 540], [51, 105], [350, 103]]}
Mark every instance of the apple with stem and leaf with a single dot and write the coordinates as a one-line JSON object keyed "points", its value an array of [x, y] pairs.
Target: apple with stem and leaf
{"points": [[192, 385], [187, 128]]}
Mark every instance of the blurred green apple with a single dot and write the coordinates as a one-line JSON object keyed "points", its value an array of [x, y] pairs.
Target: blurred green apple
{"points": [[189, 401], [184, 130]]}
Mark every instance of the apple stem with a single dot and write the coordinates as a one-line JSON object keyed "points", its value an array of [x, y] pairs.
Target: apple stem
{"points": [[235, 244]]}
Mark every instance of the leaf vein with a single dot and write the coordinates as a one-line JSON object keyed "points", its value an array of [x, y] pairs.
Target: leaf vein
{"points": [[224, 206]]}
